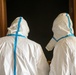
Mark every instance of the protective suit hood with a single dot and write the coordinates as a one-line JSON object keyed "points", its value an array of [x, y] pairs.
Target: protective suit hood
{"points": [[23, 28], [62, 27]]}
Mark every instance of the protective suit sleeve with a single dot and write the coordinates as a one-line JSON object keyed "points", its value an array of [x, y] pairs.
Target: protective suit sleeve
{"points": [[42, 64]]}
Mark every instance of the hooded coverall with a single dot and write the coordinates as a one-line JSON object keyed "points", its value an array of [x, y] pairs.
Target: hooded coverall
{"points": [[20, 55], [64, 44]]}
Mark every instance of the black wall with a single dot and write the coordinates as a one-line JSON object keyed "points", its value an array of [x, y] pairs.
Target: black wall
{"points": [[40, 15]]}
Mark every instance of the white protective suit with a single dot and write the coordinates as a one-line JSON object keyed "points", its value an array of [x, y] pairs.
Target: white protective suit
{"points": [[20, 55], [64, 44]]}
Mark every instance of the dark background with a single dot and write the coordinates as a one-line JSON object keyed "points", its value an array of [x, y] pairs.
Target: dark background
{"points": [[39, 15]]}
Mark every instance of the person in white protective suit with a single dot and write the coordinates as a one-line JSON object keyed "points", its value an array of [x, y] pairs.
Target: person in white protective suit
{"points": [[20, 55], [64, 45]]}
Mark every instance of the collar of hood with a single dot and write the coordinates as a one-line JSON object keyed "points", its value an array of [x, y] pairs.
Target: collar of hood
{"points": [[62, 28], [19, 26]]}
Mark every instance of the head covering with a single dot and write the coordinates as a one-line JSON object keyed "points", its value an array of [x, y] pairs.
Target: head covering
{"points": [[23, 29], [62, 27]]}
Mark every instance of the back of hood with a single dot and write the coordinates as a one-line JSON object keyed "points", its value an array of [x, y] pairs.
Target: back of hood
{"points": [[23, 27]]}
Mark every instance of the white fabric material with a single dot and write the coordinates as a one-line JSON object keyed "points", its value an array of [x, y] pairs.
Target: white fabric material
{"points": [[60, 28], [51, 44], [64, 55], [30, 58], [24, 29]]}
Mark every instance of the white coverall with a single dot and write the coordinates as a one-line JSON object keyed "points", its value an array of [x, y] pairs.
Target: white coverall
{"points": [[64, 44], [20, 55]]}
